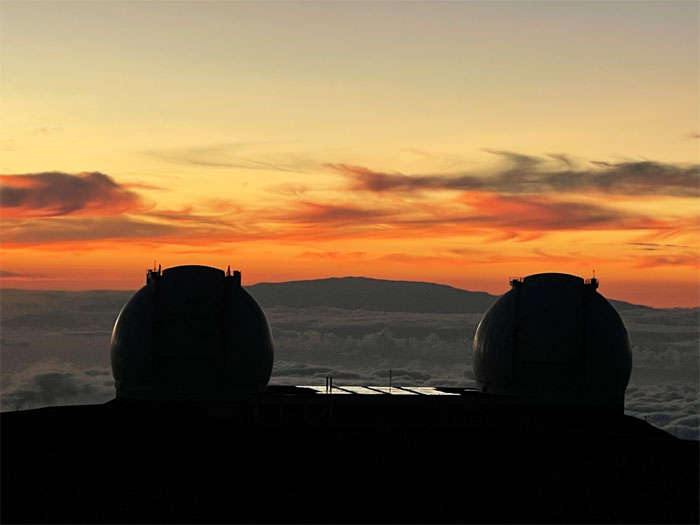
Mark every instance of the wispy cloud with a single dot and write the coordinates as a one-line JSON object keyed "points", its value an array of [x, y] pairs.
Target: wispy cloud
{"points": [[77, 229], [542, 212], [306, 211], [332, 255], [9, 145], [655, 246], [7, 274], [239, 155], [529, 174], [52, 194], [47, 130], [682, 259], [288, 189], [524, 199]]}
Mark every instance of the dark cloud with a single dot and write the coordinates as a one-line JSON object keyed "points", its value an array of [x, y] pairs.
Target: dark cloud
{"points": [[47, 389], [334, 213], [55, 193], [529, 174], [517, 160], [654, 246], [564, 159], [481, 210], [143, 186], [365, 179], [511, 215], [518, 201], [543, 212], [11, 275]]}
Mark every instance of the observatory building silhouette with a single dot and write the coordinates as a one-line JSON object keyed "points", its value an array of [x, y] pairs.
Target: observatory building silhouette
{"points": [[191, 333], [197, 436], [553, 339]]}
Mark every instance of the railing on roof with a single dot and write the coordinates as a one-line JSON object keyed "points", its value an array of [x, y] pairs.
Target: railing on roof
{"points": [[593, 282], [515, 281]]}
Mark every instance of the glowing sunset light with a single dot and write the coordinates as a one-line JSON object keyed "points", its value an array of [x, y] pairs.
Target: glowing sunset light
{"points": [[458, 143]]}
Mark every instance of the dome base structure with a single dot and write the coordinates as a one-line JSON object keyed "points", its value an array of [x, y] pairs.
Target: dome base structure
{"points": [[553, 340], [191, 334]]}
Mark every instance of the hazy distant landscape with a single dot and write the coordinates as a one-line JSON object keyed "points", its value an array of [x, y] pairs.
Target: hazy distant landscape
{"points": [[55, 345]]}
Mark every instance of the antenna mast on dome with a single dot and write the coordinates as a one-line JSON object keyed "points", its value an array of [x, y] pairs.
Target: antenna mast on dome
{"points": [[152, 274], [593, 281]]}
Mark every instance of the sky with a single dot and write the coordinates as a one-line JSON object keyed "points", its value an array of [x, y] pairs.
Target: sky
{"points": [[455, 142]]}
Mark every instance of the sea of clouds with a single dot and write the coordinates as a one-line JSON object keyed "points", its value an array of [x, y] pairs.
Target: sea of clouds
{"points": [[55, 351]]}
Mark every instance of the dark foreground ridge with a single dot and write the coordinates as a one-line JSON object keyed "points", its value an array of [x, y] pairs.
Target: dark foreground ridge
{"points": [[297, 455]]}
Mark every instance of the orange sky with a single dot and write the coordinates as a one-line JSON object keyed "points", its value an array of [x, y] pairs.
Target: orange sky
{"points": [[306, 140]]}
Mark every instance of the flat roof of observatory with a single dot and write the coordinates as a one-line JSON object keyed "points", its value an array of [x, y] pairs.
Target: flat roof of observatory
{"points": [[551, 278], [371, 390]]}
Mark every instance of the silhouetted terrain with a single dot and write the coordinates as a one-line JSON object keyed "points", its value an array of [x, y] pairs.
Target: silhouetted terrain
{"points": [[291, 457], [353, 293], [55, 344]]}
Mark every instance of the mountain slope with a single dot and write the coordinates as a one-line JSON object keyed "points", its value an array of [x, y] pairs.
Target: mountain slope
{"points": [[371, 294], [381, 295]]}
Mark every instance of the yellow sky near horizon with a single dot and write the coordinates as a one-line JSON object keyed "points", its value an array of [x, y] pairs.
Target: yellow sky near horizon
{"points": [[455, 142]]}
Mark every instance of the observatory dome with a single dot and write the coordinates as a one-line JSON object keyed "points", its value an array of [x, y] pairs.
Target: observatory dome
{"points": [[191, 333], [553, 339]]}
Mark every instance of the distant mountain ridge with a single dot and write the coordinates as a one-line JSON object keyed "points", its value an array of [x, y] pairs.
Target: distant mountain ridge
{"points": [[349, 293], [352, 293]]}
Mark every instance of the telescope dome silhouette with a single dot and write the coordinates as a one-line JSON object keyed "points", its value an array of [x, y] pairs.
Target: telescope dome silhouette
{"points": [[553, 339], [191, 333]]}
